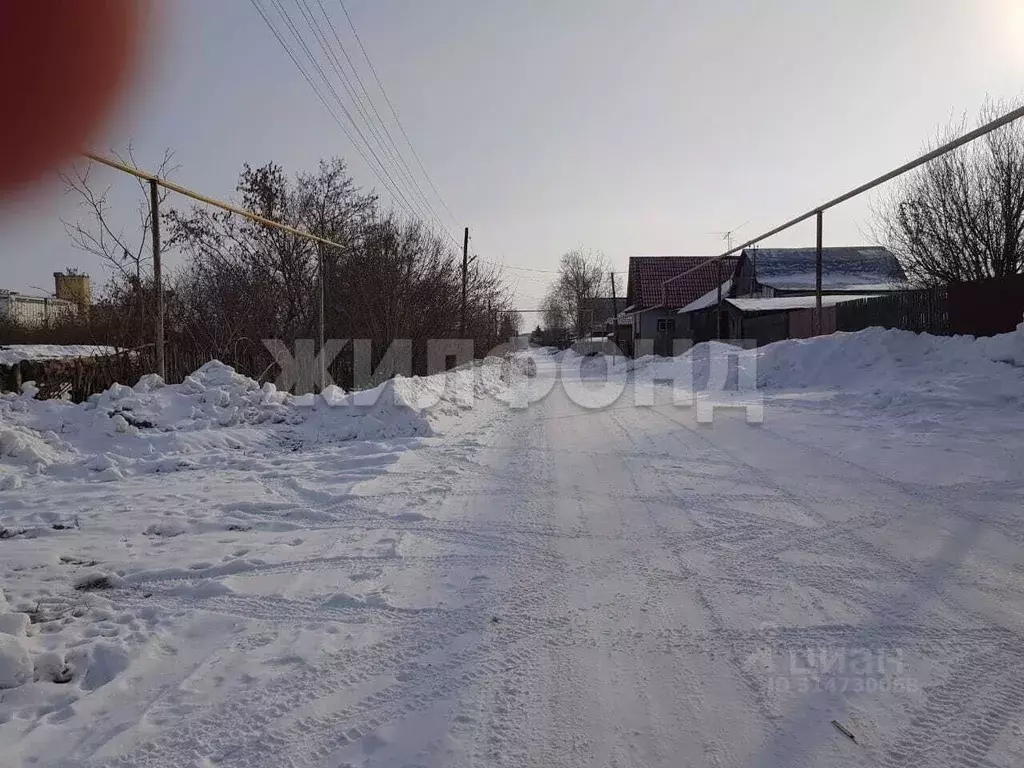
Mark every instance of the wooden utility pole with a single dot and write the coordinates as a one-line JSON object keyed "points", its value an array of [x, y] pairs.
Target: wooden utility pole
{"points": [[817, 279], [465, 278], [158, 281], [615, 318]]}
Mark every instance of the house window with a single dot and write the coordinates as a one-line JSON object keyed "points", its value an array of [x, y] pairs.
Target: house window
{"points": [[666, 325]]}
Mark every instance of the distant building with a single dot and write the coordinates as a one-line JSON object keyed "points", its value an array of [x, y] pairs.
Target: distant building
{"points": [[762, 294], [34, 311], [73, 286], [72, 296]]}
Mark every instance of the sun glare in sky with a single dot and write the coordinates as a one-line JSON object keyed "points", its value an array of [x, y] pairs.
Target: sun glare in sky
{"points": [[1006, 19]]}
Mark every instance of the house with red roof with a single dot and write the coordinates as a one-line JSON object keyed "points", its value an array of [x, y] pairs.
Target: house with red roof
{"points": [[664, 293]]}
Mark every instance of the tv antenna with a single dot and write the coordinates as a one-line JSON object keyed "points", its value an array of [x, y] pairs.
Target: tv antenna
{"points": [[726, 234]]}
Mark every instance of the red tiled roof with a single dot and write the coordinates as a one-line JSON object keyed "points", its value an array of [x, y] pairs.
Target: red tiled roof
{"points": [[647, 274]]}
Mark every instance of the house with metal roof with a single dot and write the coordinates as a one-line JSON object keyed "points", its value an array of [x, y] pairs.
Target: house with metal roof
{"points": [[850, 270]]}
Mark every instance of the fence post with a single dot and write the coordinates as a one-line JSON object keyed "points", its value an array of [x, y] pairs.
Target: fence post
{"points": [[817, 278], [158, 283]]}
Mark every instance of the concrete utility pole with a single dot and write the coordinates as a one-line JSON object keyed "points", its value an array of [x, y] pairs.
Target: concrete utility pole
{"points": [[465, 277], [158, 282]]}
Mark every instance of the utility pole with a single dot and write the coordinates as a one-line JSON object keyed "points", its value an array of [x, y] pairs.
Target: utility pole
{"points": [[158, 282], [718, 311], [615, 318], [322, 356], [465, 276], [817, 279]]}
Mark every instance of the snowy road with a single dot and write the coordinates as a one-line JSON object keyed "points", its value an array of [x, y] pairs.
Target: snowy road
{"points": [[558, 586]]}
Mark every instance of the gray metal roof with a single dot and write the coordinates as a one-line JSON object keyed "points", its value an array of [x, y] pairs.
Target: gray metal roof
{"points": [[794, 268]]}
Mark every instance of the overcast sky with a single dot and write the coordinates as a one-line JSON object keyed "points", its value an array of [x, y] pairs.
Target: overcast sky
{"points": [[637, 127]]}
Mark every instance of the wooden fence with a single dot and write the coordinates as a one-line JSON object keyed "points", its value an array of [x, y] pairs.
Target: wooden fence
{"points": [[921, 311], [79, 377], [981, 308], [802, 325]]}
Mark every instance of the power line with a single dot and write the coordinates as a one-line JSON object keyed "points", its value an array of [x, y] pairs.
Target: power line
{"points": [[394, 112], [382, 175], [397, 190], [391, 145], [523, 269], [398, 163]]}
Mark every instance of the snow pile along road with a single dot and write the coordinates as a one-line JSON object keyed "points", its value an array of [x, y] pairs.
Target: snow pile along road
{"points": [[879, 356], [153, 427], [895, 371]]}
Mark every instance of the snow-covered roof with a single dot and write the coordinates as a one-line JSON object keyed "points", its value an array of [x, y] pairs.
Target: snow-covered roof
{"points": [[871, 288], [708, 299], [790, 269], [15, 353], [792, 302]]}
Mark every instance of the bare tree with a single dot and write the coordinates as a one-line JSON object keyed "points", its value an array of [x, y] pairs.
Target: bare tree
{"points": [[242, 281], [510, 324], [582, 277], [391, 278], [961, 216], [125, 314], [127, 253], [553, 311]]}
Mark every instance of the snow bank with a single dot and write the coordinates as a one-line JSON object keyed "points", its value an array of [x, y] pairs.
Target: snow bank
{"points": [[151, 426], [883, 369], [876, 356]]}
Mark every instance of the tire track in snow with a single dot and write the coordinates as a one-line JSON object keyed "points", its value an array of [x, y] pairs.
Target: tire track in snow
{"points": [[715, 618], [418, 660], [940, 499], [842, 535], [943, 726], [965, 715]]}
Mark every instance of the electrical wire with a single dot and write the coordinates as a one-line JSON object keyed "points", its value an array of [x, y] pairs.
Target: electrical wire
{"points": [[367, 99], [382, 175], [404, 201], [397, 164], [523, 269], [394, 112], [416, 202]]}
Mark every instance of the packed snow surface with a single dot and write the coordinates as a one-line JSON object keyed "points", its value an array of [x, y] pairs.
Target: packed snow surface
{"points": [[551, 562]]}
